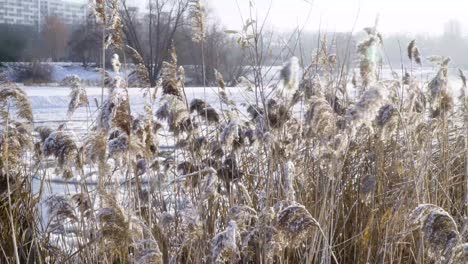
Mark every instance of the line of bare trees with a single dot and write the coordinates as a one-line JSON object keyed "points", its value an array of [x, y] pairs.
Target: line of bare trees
{"points": [[153, 29]]}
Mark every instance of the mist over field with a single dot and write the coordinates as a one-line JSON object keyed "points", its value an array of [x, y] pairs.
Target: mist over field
{"points": [[233, 131]]}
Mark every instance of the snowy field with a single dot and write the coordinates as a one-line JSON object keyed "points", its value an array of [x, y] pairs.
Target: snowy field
{"points": [[50, 104]]}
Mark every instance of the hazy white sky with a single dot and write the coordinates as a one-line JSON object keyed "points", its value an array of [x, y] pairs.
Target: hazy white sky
{"points": [[409, 16]]}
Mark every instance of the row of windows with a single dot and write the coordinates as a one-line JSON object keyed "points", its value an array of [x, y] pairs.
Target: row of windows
{"points": [[27, 11], [15, 21]]}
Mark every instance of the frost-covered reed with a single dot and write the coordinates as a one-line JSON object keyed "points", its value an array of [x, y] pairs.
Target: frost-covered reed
{"points": [[300, 171]]}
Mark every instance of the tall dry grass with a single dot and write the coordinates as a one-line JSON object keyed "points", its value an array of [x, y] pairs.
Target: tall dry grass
{"points": [[301, 172]]}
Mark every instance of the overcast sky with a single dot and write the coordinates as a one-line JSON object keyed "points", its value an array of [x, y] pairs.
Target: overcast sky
{"points": [[409, 16]]}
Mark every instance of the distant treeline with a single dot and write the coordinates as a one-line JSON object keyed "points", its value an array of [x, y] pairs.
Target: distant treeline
{"points": [[59, 42], [452, 43], [16, 42]]}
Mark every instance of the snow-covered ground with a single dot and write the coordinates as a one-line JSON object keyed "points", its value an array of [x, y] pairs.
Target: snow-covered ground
{"points": [[50, 104]]}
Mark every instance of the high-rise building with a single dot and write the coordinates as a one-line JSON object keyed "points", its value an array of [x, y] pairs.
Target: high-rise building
{"points": [[19, 12], [71, 12], [33, 12]]}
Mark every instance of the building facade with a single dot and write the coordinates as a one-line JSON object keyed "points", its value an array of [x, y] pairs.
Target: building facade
{"points": [[33, 12], [72, 13], [19, 12]]}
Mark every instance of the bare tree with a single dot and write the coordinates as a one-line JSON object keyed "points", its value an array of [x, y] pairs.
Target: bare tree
{"points": [[55, 34], [85, 43], [221, 52], [152, 36], [224, 54]]}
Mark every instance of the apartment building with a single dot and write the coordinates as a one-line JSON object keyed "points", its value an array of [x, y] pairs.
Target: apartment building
{"points": [[71, 12], [33, 12], [19, 12]]}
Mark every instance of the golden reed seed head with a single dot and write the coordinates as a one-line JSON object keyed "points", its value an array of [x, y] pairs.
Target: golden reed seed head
{"points": [[11, 93], [224, 245], [78, 96], [296, 223], [439, 230], [413, 52], [290, 74], [198, 17]]}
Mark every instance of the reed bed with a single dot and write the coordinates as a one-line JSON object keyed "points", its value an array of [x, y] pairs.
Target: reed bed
{"points": [[301, 172]]}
